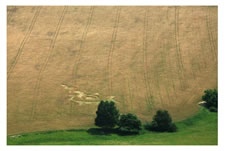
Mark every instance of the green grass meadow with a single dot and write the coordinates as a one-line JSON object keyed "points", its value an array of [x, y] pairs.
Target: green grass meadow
{"points": [[201, 129]]}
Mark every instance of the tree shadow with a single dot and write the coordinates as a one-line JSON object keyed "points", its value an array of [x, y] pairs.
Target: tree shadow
{"points": [[102, 131]]}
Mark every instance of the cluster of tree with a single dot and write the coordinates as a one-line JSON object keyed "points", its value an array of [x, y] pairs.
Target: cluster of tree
{"points": [[108, 117], [162, 122], [211, 99]]}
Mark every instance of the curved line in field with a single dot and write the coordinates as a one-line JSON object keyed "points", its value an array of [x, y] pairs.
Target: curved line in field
{"points": [[198, 41], [195, 47], [11, 68], [178, 53], [51, 48], [83, 40], [183, 103], [145, 44], [131, 95], [169, 81], [169, 64], [198, 36], [177, 38], [110, 55], [203, 51], [171, 36], [78, 56], [210, 34]]}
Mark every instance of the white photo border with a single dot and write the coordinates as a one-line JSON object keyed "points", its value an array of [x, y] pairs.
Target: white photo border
{"points": [[221, 72]]}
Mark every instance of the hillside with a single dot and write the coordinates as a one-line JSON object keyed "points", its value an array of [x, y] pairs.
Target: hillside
{"points": [[200, 129], [61, 61]]}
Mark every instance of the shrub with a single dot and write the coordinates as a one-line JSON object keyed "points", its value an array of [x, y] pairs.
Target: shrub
{"points": [[173, 128], [147, 126], [211, 99], [212, 109], [107, 115], [129, 124], [162, 122]]}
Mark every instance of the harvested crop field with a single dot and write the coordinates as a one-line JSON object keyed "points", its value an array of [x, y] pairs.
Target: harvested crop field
{"points": [[61, 61]]}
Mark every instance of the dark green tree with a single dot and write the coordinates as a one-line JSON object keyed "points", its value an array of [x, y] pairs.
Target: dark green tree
{"points": [[162, 122], [211, 99], [129, 124], [107, 115]]}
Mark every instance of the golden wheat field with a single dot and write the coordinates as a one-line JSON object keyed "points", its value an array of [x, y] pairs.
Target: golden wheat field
{"points": [[62, 60]]}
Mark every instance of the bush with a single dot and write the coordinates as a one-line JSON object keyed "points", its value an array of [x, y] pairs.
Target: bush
{"points": [[212, 109], [173, 128], [129, 124], [147, 126], [211, 99], [107, 115], [162, 122]]}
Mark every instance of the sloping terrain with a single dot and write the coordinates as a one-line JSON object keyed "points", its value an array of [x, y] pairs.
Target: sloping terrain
{"points": [[200, 129], [61, 61]]}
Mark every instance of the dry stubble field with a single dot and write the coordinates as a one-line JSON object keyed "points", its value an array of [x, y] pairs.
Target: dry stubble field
{"points": [[62, 60]]}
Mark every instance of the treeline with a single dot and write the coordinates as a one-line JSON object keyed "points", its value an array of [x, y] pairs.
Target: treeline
{"points": [[110, 120]]}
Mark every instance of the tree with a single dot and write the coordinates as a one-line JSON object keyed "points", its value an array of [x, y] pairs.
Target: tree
{"points": [[107, 115], [211, 99], [162, 122], [129, 124]]}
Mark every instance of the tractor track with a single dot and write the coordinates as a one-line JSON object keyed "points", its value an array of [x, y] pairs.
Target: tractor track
{"points": [[169, 63], [197, 26], [78, 56], [198, 33], [211, 31], [196, 48], [131, 95], [192, 71], [145, 39], [214, 32], [167, 78], [83, 40], [50, 51], [170, 79], [20, 50], [177, 38], [212, 47], [201, 46], [110, 55], [203, 52], [178, 52]]}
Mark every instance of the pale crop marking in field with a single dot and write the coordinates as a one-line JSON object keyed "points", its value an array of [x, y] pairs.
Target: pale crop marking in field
{"points": [[82, 98]]}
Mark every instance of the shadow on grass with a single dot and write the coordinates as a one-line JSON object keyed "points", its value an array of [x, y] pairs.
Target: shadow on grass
{"points": [[101, 131], [50, 132]]}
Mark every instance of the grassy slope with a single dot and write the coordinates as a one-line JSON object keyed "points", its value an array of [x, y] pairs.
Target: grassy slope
{"points": [[200, 129]]}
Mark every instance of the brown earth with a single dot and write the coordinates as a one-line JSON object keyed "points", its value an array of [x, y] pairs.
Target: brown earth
{"points": [[62, 60]]}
